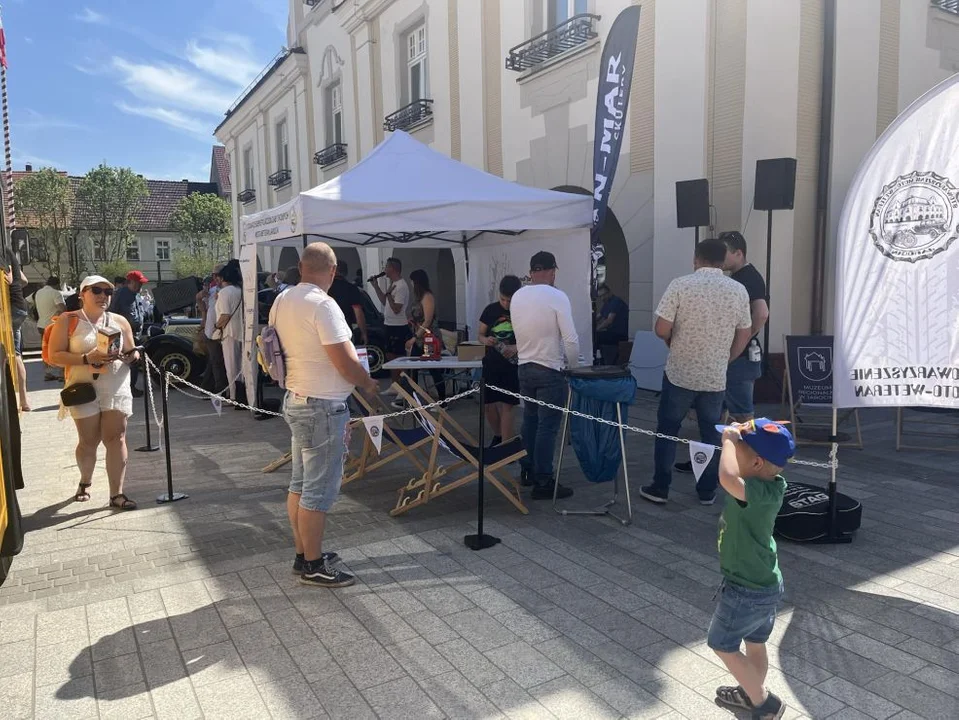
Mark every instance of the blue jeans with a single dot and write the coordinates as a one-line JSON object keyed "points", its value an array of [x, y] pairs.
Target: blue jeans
{"points": [[541, 425], [319, 443], [741, 376], [674, 403], [743, 614]]}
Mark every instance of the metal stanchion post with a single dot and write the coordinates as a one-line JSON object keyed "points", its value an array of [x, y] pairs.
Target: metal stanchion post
{"points": [[169, 496], [481, 541], [147, 408]]}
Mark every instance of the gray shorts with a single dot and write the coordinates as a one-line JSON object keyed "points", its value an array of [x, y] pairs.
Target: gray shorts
{"points": [[319, 440]]}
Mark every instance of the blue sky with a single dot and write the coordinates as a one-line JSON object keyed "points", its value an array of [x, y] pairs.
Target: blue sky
{"points": [[131, 82]]}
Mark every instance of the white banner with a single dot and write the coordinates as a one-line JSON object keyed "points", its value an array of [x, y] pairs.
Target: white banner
{"points": [[491, 259], [374, 426], [699, 455], [897, 275], [250, 326]]}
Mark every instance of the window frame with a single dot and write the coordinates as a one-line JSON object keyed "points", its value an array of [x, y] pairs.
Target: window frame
{"points": [[416, 50], [553, 21], [134, 245], [167, 246], [282, 141], [335, 88], [249, 169]]}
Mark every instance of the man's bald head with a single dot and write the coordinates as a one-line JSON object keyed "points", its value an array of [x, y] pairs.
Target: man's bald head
{"points": [[317, 265]]}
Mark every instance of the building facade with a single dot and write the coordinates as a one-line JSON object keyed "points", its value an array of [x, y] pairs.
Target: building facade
{"points": [[509, 86]]}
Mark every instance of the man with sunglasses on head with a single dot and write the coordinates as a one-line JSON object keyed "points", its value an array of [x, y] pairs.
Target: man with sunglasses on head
{"points": [[128, 303]]}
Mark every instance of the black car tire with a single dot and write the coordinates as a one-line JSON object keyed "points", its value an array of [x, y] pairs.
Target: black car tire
{"points": [[180, 362]]}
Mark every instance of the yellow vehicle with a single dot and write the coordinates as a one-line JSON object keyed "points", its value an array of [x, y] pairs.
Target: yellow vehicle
{"points": [[11, 533]]}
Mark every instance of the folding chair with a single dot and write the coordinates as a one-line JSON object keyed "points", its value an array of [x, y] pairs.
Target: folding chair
{"points": [[434, 481], [410, 444]]}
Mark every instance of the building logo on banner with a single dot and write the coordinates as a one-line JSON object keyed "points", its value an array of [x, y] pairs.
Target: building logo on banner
{"points": [[293, 220], [815, 364], [915, 217]]}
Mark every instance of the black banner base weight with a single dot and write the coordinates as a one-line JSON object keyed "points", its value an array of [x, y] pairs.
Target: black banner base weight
{"points": [[147, 448], [832, 540], [480, 542], [167, 497]]}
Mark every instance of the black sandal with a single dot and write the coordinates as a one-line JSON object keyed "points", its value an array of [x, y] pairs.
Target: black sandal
{"points": [[734, 696], [82, 495], [124, 504]]}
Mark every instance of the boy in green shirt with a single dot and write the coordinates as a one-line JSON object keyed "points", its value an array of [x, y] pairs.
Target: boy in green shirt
{"points": [[750, 467]]}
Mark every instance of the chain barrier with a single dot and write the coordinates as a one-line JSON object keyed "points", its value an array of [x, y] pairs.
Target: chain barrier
{"points": [[643, 431], [149, 383], [174, 381]]}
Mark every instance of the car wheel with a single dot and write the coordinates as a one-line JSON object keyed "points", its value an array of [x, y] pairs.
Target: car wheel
{"points": [[377, 357], [180, 363]]}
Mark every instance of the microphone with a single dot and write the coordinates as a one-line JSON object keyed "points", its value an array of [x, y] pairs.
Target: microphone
{"points": [[374, 278]]}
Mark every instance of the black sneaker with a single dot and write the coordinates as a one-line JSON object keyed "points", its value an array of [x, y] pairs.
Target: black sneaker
{"points": [[684, 467], [137, 392], [653, 494], [545, 492], [299, 563], [496, 441], [526, 478], [772, 709], [322, 574], [707, 499]]}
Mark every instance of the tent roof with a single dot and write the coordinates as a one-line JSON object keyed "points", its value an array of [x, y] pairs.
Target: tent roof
{"points": [[404, 190]]}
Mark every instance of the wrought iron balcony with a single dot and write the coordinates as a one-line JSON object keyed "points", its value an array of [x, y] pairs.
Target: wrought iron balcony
{"points": [[414, 114], [312, 3], [246, 196], [950, 6], [281, 178], [576, 31], [330, 155]]}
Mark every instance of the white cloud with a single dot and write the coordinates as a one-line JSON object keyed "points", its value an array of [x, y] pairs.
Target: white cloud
{"points": [[92, 17], [28, 40], [169, 85], [20, 158], [33, 120], [173, 118], [231, 60]]}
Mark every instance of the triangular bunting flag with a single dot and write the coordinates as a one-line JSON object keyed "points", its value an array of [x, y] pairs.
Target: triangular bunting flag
{"points": [[374, 426], [700, 455], [217, 403]]}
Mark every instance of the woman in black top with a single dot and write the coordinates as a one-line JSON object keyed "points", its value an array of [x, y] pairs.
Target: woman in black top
{"points": [[422, 315], [16, 280], [499, 364]]}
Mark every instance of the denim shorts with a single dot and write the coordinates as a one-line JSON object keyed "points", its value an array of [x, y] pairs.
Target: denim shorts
{"points": [[741, 377], [18, 317], [319, 430], [743, 614]]}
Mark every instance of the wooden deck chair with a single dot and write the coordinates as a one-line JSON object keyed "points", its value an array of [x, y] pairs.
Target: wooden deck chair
{"points": [[448, 420], [413, 444], [436, 480]]}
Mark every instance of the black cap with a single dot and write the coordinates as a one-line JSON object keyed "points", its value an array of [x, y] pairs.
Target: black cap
{"points": [[542, 261]]}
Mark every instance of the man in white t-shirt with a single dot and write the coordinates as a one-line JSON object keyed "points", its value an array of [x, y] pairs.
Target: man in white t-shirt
{"points": [[546, 340], [321, 371], [229, 325], [396, 302], [49, 302]]}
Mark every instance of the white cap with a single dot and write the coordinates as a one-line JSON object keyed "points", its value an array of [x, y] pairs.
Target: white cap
{"points": [[90, 280]]}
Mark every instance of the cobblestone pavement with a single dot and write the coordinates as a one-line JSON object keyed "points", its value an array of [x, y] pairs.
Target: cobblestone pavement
{"points": [[190, 609]]}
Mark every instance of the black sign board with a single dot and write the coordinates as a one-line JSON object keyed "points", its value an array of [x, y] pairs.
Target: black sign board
{"points": [[809, 364]]}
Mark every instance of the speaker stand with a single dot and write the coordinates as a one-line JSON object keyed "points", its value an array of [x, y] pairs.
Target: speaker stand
{"points": [[767, 370], [696, 236]]}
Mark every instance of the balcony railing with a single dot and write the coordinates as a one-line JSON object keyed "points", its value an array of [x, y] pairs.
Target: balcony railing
{"points": [[330, 155], [311, 3], [414, 114], [576, 31], [246, 196], [281, 178], [951, 6]]}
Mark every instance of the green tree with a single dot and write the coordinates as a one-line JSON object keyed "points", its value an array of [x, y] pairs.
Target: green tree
{"points": [[109, 198], [203, 221], [44, 202], [114, 268], [188, 264]]}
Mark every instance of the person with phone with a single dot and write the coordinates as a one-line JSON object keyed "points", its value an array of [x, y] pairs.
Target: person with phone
{"points": [[96, 391]]}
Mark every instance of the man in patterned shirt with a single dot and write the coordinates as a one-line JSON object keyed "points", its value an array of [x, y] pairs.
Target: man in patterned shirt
{"points": [[704, 319]]}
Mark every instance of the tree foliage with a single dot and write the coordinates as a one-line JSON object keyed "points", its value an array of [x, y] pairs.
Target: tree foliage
{"points": [[113, 269], [44, 202], [189, 264], [203, 221], [110, 198]]}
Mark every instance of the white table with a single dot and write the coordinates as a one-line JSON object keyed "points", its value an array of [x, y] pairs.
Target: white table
{"points": [[446, 362]]}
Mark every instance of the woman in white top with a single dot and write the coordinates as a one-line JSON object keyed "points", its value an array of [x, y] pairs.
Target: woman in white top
{"points": [[229, 321], [73, 346]]}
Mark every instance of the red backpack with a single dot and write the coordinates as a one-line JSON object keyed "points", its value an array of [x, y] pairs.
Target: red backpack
{"points": [[48, 332]]}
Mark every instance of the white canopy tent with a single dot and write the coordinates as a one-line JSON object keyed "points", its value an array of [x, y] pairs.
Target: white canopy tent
{"points": [[407, 194]]}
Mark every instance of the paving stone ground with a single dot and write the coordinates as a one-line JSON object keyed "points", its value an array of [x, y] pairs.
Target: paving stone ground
{"points": [[190, 609]]}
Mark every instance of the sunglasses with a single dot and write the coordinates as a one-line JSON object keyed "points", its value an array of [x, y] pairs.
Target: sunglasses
{"points": [[101, 291]]}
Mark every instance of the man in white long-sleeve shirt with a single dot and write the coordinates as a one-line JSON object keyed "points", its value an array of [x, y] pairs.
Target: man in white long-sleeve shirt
{"points": [[546, 340]]}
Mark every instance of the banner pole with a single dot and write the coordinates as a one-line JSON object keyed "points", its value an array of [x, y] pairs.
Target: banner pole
{"points": [[833, 536], [147, 407], [481, 541]]}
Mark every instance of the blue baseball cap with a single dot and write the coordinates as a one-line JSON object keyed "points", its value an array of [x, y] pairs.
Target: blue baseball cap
{"points": [[771, 440]]}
